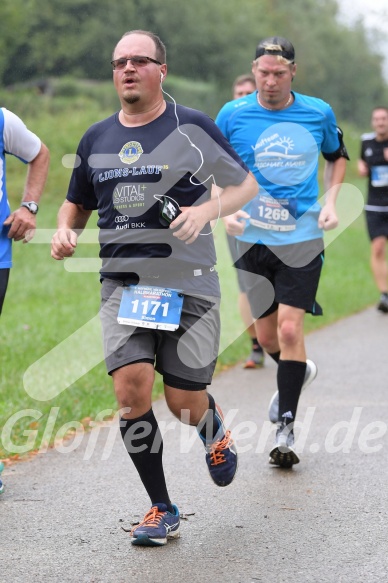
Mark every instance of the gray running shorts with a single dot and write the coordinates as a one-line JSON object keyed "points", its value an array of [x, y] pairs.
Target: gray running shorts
{"points": [[189, 353]]}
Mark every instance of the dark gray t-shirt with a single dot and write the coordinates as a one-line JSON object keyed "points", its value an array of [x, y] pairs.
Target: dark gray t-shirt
{"points": [[123, 172]]}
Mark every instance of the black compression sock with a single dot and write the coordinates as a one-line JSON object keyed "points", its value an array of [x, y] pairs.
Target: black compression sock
{"points": [[140, 432], [209, 425], [290, 379], [275, 356]]}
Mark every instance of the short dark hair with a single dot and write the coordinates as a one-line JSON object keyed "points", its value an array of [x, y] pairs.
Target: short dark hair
{"points": [[247, 78], [160, 49]]}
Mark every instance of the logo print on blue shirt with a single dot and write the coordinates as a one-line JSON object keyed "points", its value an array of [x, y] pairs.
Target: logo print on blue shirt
{"points": [[286, 154], [130, 152]]}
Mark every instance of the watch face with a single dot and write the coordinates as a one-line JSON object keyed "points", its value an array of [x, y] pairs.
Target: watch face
{"points": [[32, 207]]}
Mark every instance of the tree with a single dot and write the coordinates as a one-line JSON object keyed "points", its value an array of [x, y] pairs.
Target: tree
{"points": [[13, 26], [207, 42]]}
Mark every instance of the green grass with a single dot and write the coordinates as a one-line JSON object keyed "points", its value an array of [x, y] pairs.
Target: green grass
{"points": [[46, 305]]}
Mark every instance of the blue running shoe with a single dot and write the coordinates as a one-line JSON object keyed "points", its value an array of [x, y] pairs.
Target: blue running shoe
{"points": [[221, 454], [1, 483], [157, 526]]}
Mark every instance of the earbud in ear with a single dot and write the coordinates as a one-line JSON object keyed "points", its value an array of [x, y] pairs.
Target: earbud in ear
{"points": [[161, 77]]}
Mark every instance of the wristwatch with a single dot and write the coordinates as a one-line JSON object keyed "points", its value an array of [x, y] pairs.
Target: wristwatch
{"points": [[31, 206]]}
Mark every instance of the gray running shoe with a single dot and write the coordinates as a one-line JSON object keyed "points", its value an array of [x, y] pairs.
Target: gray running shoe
{"points": [[311, 373], [382, 306], [283, 454], [255, 359]]}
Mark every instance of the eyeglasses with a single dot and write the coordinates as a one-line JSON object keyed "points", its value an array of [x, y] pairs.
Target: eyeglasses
{"points": [[136, 61]]}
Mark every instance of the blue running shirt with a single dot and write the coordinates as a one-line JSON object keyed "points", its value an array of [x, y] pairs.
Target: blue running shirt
{"points": [[15, 139], [281, 148]]}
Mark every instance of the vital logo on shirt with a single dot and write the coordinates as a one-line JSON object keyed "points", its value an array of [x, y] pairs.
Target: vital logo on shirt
{"points": [[128, 195]]}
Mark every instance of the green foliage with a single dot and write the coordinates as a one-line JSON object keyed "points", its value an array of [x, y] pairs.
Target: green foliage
{"points": [[209, 42], [13, 27], [201, 95], [66, 38]]}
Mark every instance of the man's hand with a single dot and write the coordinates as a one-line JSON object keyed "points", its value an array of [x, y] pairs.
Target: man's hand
{"points": [[362, 168], [191, 222], [23, 224], [328, 218], [235, 224], [63, 243]]}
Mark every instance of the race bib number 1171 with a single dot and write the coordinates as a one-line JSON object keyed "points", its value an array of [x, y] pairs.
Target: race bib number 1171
{"points": [[151, 307]]}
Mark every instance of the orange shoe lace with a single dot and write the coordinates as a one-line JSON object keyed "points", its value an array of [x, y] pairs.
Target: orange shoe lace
{"points": [[152, 518], [217, 449]]}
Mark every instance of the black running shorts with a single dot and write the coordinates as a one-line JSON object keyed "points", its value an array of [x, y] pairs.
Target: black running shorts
{"points": [[377, 224], [287, 274]]}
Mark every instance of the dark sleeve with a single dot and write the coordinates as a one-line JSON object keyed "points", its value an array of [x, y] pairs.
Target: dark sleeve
{"points": [[341, 152], [81, 189], [362, 150]]}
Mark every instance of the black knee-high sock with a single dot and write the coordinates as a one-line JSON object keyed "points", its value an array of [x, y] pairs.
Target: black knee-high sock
{"points": [[275, 356], [290, 380], [209, 424], [143, 442]]}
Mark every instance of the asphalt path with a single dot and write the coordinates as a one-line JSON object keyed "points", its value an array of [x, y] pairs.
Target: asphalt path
{"points": [[65, 515]]}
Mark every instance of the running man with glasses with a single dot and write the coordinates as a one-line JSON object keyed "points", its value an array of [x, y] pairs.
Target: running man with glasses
{"points": [[148, 171]]}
